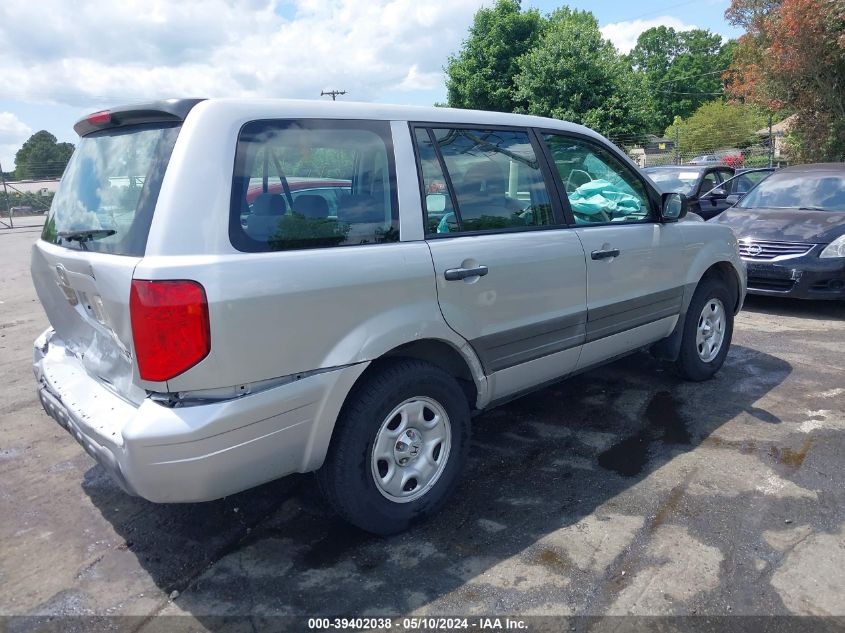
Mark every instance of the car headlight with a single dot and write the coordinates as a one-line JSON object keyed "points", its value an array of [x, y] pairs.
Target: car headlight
{"points": [[835, 249]]}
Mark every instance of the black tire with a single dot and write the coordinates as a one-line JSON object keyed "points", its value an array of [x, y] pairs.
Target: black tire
{"points": [[346, 478], [690, 365]]}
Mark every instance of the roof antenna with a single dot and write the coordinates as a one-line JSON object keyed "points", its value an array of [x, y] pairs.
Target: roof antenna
{"points": [[334, 94]]}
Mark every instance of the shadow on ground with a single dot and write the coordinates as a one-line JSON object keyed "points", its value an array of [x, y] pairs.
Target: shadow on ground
{"points": [[537, 465], [797, 308]]}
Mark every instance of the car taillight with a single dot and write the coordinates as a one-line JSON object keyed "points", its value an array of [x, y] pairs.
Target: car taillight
{"points": [[100, 118], [170, 327]]}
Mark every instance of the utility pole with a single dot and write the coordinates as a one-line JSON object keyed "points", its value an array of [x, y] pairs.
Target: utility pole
{"points": [[334, 94], [677, 145], [676, 123], [771, 142], [11, 224]]}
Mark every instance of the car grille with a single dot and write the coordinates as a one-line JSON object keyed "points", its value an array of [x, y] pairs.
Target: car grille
{"points": [[759, 250]]}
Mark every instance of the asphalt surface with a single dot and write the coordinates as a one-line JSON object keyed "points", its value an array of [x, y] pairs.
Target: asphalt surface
{"points": [[620, 491]]}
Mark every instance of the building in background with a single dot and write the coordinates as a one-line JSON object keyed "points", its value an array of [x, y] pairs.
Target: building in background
{"points": [[38, 187], [779, 132]]}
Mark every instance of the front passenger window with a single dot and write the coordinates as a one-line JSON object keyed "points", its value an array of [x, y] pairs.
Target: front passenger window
{"points": [[601, 189]]}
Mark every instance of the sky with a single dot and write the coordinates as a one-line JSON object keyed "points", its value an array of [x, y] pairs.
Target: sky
{"points": [[61, 60]]}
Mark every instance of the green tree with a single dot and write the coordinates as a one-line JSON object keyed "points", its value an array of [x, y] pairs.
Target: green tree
{"points": [[482, 74], [575, 74], [681, 69], [717, 125], [42, 157]]}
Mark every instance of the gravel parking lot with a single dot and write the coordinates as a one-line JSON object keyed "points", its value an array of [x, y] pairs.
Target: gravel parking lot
{"points": [[620, 491]]}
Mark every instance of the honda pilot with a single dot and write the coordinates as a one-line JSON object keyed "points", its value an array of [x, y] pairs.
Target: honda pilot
{"points": [[241, 289]]}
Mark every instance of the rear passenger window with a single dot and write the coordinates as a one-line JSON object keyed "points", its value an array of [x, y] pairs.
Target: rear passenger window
{"points": [[493, 180], [313, 184]]}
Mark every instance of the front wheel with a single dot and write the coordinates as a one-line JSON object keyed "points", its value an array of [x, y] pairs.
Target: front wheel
{"points": [[708, 330], [398, 448]]}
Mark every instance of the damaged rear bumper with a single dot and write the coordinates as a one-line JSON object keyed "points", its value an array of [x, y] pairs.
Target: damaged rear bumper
{"points": [[192, 453]]}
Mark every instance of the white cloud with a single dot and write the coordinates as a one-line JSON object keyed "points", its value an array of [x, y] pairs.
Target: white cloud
{"points": [[416, 80], [13, 133], [104, 53], [624, 34]]}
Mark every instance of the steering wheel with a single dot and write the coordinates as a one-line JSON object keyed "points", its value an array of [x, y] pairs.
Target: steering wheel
{"points": [[583, 175]]}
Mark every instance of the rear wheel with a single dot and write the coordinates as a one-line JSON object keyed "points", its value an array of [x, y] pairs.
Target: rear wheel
{"points": [[708, 330], [399, 447]]}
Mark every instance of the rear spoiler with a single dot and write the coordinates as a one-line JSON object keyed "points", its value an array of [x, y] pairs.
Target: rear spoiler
{"points": [[166, 111]]}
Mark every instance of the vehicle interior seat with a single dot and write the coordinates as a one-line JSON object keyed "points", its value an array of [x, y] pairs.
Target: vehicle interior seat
{"points": [[267, 210], [483, 192], [311, 206]]}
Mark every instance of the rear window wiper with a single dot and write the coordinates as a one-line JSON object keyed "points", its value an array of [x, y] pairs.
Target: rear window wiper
{"points": [[811, 209], [85, 235]]}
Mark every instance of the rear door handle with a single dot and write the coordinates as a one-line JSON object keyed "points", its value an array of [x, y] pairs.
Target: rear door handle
{"points": [[455, 274], [605, 254]]}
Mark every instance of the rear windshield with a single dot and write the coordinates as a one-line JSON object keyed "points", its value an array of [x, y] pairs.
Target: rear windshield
{"points": [[108, 192], [824, 191], [313, 184]]}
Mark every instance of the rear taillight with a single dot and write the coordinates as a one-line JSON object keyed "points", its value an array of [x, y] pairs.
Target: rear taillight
{"points": [[170, 327]]}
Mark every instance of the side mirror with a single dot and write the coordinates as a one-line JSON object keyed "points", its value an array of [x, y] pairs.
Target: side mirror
{"points": [[718, 193], [674, 206], [734, 198]]}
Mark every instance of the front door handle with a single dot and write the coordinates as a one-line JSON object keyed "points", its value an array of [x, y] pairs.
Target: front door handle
{"points": [[605, 254], [455, 274]]}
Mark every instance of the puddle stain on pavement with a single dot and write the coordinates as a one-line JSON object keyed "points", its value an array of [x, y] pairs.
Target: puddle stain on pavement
{"points": [[664, 423]]}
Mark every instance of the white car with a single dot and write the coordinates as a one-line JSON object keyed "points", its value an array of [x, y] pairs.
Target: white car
{"points": [[219, 320]]}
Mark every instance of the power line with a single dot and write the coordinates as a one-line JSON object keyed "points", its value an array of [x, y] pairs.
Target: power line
{"points": [[687, 78], [693, 94]]}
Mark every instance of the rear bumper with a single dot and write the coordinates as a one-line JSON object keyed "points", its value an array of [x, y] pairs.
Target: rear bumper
{"points": [[193, 453], [806, 277]]}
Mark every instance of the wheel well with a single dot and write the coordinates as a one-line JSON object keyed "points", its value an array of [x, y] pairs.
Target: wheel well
{"points": [[725, 272], [442, 355], [438, 353]]}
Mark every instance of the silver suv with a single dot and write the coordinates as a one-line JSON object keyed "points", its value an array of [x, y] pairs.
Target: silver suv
{"points": [[243, 289]]}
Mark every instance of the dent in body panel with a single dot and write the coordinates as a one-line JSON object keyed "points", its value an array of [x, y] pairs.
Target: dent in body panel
{"points": [[96, 327]]}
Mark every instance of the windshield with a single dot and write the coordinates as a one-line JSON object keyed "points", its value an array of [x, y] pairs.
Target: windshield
{"points": [[822, 191], [109, 189], [674, 181]]}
